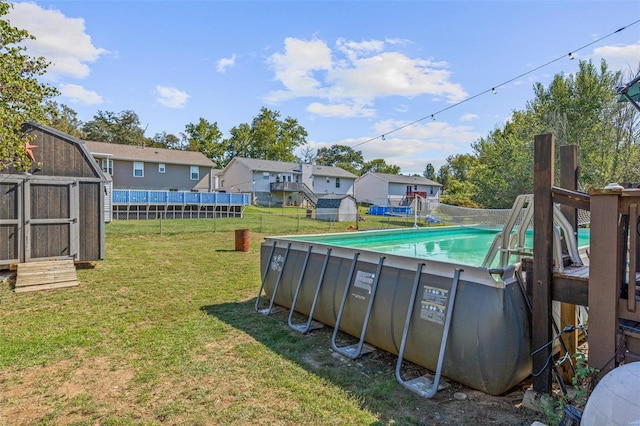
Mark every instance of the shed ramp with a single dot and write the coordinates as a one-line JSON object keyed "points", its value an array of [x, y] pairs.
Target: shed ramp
{"points": [[45, 275]]}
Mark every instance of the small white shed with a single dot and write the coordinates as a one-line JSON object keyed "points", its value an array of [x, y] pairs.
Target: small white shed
{"points": [[337, 208]]}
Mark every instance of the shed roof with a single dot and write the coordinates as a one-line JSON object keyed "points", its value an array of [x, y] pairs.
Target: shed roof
{"points": [[149, 154], [413, 180], [332, 201]]}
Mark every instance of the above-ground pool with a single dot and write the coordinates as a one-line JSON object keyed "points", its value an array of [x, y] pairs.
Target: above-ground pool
{"points": [[490, 326]]}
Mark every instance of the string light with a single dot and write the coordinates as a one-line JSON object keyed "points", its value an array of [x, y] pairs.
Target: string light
{"points": [[571, 57], [493, 89], [382, 137]]}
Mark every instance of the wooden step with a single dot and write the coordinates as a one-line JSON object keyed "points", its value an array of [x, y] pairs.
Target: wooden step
{"points": [[45, 275]]}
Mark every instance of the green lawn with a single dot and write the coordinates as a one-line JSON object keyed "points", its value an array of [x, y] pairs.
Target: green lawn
{"points": [[163, 331]]}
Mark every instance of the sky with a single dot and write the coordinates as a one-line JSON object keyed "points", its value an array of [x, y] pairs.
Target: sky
{"points": [[411, 82]]}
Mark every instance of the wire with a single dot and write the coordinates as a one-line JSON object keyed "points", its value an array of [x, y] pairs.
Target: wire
{"points": [[566, 356], [495, 87]]}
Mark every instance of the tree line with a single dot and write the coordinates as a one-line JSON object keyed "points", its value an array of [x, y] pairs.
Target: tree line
{"points": [[581, 109]]}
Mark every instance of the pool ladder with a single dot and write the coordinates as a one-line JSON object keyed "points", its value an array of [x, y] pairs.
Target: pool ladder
{"points": [[424, 385]]}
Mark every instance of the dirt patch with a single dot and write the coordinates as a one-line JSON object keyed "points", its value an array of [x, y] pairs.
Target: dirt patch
{"points": [[454, 405], [85, 385]]}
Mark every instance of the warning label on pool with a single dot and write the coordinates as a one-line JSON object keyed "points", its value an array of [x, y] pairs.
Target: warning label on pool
{"points": [[433, 306], [364, 280]]}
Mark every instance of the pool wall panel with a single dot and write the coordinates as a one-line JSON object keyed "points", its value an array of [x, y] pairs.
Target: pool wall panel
{"points": [[489, 344]]}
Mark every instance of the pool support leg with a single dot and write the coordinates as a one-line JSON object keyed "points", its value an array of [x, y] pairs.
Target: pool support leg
{"points": [[267, 311], [356, 350], [310, 324], [423, 385]]}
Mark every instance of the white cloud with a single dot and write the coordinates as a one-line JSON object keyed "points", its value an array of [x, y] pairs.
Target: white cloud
{"points": [[171, 97], [225, 63], [357, 73], [340, 110], [60, 39], [625, 58], [78, 94], [296, 67], [468, 117]]}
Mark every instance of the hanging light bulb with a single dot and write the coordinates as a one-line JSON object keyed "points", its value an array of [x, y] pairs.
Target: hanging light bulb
{"points": [[383, 138], [571, 57], [493, 90]]}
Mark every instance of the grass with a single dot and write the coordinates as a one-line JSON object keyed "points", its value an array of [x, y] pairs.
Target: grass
{"points": [[163, 331]]}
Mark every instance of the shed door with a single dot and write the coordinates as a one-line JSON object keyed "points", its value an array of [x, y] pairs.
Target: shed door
{"points": [[50, 219], [10, 221]]}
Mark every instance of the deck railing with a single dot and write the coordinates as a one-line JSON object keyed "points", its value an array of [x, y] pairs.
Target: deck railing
{"points": [[141, 197]]}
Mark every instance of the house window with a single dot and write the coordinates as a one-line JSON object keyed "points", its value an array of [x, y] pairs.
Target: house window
{"points": [[107, 165], [161, 168], [138, 169], [432, 190], [195, 172], [327, 179], [265, 175], [337, 182]]}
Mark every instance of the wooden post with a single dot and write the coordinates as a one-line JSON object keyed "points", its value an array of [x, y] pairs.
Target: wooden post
{"points": [[568, 312], [605, 275], [544, 161]]}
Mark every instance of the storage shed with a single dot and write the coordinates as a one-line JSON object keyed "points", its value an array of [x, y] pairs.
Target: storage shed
{"points": [[55, 211], [337, 208]]}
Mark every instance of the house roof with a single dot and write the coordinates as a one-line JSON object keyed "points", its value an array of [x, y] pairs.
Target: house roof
{"points": [[148, 154], [332, 172], [256, 164], [413, 180]]}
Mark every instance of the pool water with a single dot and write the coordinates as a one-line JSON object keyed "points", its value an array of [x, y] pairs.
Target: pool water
{"points": [[460, 245]]}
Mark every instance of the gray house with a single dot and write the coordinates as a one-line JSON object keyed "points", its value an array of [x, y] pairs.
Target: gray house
{"points": [[282, 183], [137, 167], [384, 189]]}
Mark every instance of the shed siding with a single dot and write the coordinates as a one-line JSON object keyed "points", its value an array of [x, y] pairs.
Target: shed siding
{"points": [[90, 222]]}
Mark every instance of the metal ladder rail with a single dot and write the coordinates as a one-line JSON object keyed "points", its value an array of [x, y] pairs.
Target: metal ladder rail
{"points": [[267, 311], [303, 328], [266, 271], [354, 351], [423, 385]]}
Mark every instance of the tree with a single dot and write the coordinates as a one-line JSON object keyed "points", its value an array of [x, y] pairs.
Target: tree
{"points": [[267, 137], [307, 155], [22, 96], [123, 128], [379, 166], [206, 138], [429, 172], [582, 109], [342, 156], [167, 141], [65, 119]]}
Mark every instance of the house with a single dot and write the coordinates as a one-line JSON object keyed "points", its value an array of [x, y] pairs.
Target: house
{"points": [[337, 208], [139, 167], [151, 183], [54, 212], [282, 183], [384, 189]]}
